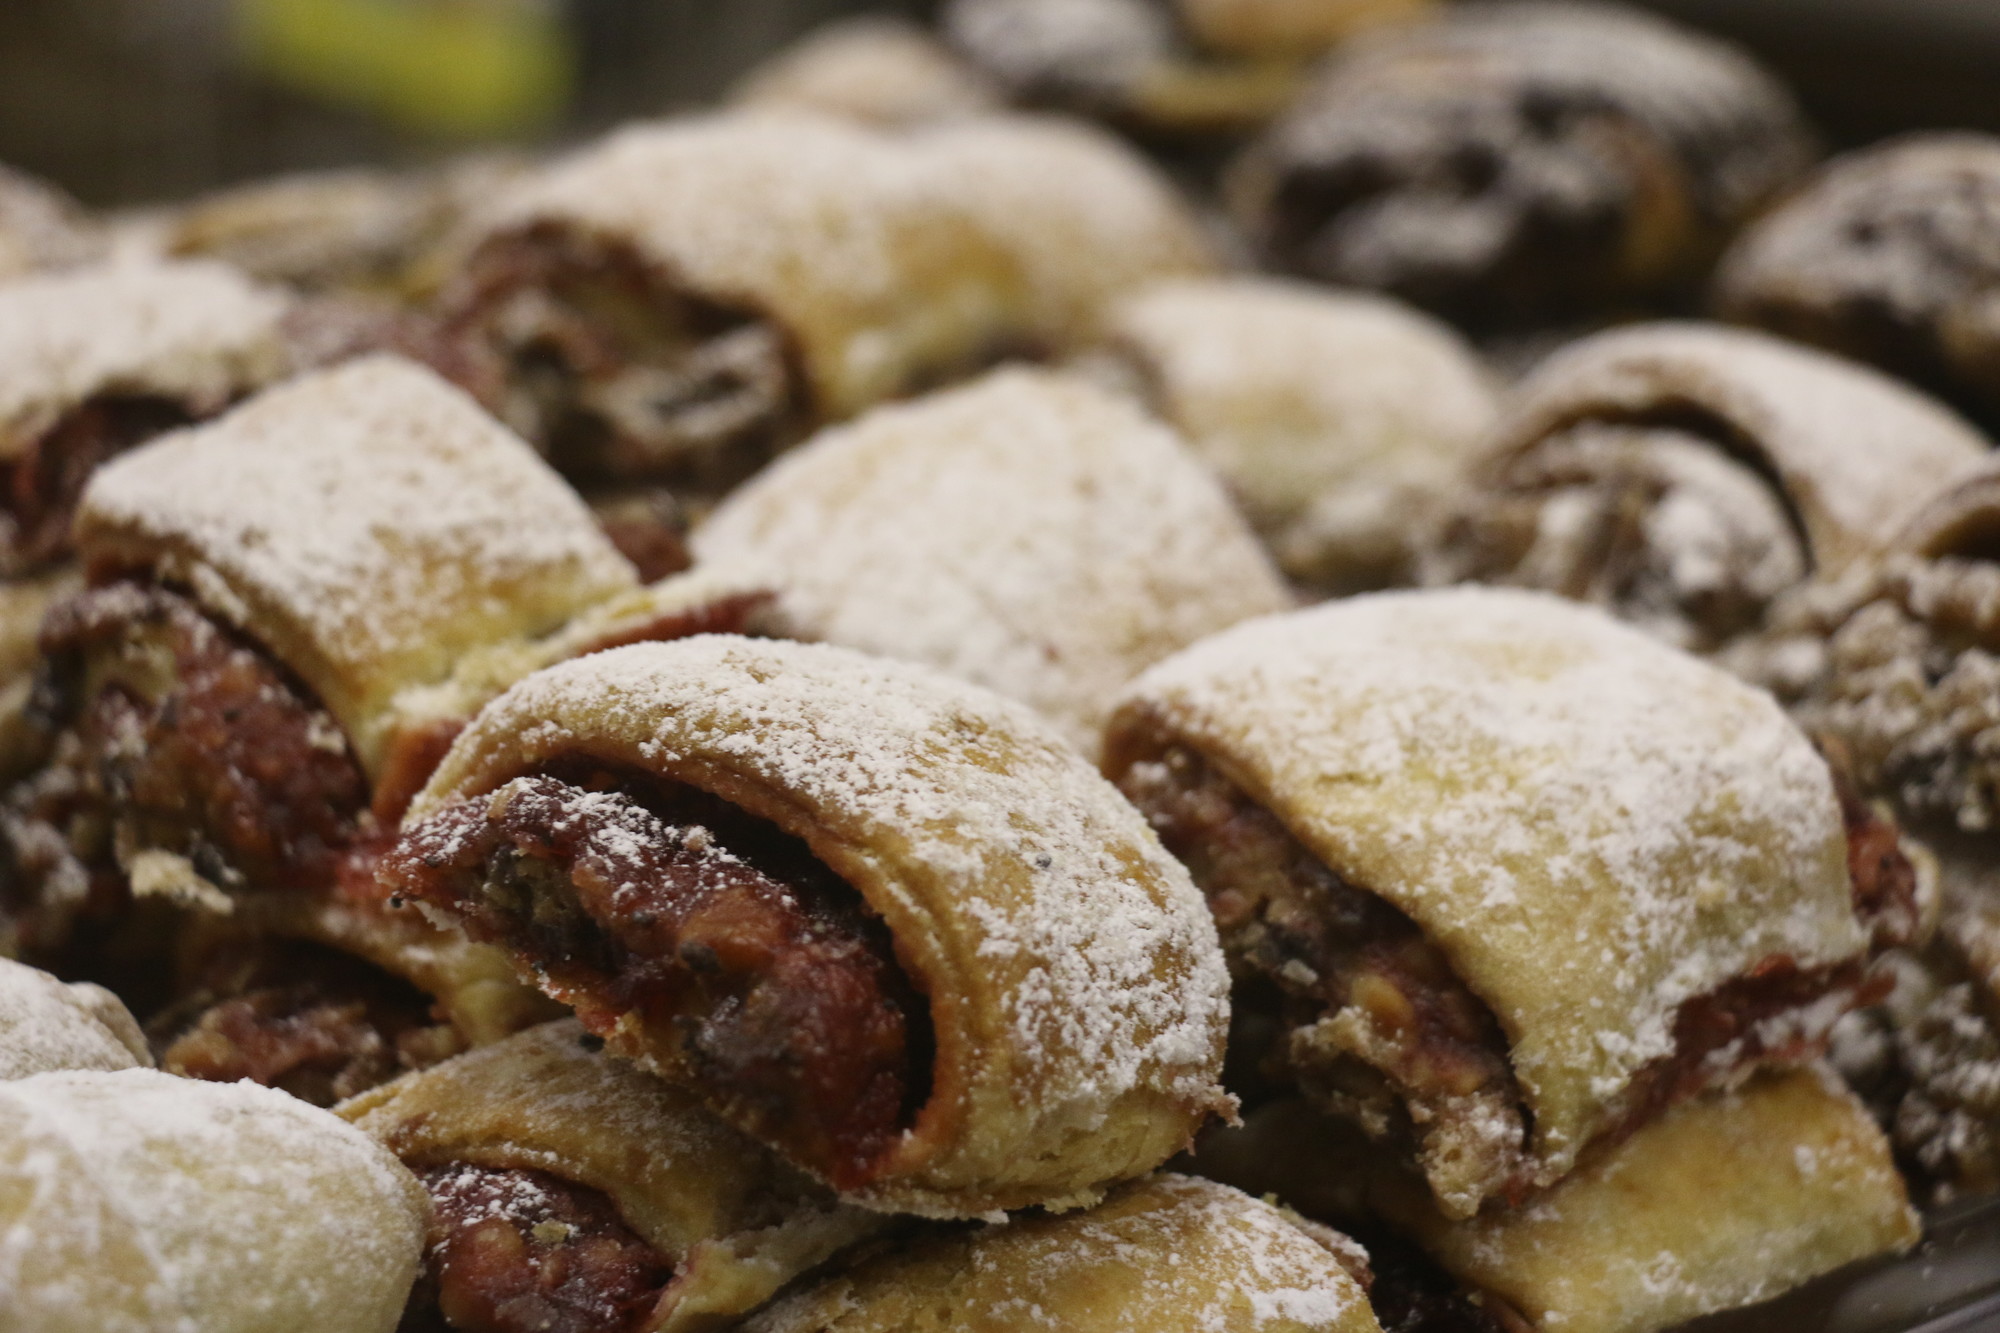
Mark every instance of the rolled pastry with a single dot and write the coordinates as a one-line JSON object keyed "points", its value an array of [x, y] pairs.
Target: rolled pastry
{"points": [[46, 1025], [874, 69], [1195, 68], [887, 922], [1685, 476], [41, 227], [1507, 875], [96, 360], [1723, 1202], [663, 1218], [293, 609], [1085, 219], [685, 297], [1512, 164], [1171, 1253], [353, 230], [1888, 256], [1030, 532], [1337, 420], [132, 1202]]}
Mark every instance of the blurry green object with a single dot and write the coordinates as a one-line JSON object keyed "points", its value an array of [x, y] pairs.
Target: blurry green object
{"points": [[456, 68]]}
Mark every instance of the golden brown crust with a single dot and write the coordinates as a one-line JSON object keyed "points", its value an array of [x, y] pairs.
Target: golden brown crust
{"points": [[836, 236], [1583, 821], [367, 525], [1074, 985], [734, 1222], [1722, 1202], [1170, 1254]]}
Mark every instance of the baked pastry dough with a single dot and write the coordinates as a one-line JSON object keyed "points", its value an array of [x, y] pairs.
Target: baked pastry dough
{"points": [[47, 1026], [1887, 256], [549, 1124], [1686, 475], [1521, 163], [1171, 1254], [96, 360], [294, 609], [41, 227], [1338, 420], [1722, 1202], [335, 231], [1512, 876], [132, 1202], [1194, 68], [1030, 532], [874, 69], [685, 297], [1084, 218], [886, 921]]}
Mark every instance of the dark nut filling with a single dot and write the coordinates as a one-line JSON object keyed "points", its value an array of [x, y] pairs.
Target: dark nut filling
{"points": [[527, 1252], [39, 489], [614, 374], [181, 736], [318, 1024], [745, 961], [1377, 1027]]}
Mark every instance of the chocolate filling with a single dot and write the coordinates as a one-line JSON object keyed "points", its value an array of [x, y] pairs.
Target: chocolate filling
{"points": [[744, 961], [40, 489], [1375, 1025], [526, 1252], [614, 373]]}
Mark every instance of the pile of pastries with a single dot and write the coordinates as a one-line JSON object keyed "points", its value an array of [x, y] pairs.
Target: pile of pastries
{"points": [[1230, 665]]}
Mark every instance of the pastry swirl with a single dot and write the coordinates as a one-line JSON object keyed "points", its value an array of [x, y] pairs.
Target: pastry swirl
{"points": [[1513, 877], [1688, 476], [712, 849], [546, 1126]]}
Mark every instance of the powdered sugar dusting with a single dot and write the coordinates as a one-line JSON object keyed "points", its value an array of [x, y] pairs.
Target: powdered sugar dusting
{"points": [[1172, 1252], [368, 522], [1336, 417], [46, 1026], [1594, 827], [1030, 532], [142, 1203], [1857, 452], [1086, 218], [196, 333], [847, 237], [1109, 975]]}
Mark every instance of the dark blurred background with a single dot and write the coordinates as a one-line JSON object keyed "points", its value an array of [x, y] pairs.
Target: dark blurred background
{"points": [[128, 101]]}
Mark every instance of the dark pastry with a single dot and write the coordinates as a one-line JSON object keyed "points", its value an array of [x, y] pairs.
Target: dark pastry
{"points": [[1890, 255], [1521, 163]]}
